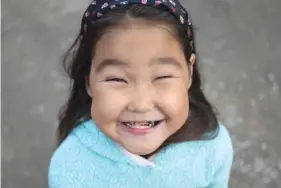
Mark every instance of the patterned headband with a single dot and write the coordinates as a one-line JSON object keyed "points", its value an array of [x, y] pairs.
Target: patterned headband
{"points": [[98, 8]]}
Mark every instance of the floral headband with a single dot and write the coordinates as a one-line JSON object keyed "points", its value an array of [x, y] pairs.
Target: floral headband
{"points": [[98, 8]]}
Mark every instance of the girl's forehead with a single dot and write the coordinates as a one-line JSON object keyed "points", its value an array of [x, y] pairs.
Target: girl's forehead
{"points": [[138, 41], [139, 47], [141, 30]]}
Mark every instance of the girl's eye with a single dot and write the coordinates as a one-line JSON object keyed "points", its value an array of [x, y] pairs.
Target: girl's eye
{"points": [[116, 80], [164, 77]]}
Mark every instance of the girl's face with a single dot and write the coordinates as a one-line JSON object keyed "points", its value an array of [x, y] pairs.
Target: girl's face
{"points": [[139, 84]]}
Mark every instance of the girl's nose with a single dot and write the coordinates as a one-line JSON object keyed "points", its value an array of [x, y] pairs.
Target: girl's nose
{"points": [[142, 100]]}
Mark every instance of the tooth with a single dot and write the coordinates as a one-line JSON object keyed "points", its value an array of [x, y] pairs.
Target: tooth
{"points": [[135, 125], [129, 124], [142, 125]]}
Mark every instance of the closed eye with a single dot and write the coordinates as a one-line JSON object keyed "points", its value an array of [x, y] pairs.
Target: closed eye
{"points": [[116, 80], [164, 77]]}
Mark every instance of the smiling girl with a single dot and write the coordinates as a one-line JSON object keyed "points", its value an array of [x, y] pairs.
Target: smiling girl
{"points": [[136, 115]]}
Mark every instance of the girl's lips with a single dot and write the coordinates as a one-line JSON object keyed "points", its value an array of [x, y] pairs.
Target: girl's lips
{"points": [[140, 124], [142, 131]]}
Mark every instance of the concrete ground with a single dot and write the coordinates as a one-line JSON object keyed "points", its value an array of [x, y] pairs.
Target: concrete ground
{"points": [[239, 42]]}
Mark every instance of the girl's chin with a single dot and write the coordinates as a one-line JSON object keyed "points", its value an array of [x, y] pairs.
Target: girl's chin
{"points": [[141, 148], [142, 151]]}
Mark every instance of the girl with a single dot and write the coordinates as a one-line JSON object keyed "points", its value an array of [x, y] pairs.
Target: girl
{"points": [[136, 115]]}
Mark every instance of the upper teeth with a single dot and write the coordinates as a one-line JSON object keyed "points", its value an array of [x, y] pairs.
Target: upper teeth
{"points": [[140, 125]]}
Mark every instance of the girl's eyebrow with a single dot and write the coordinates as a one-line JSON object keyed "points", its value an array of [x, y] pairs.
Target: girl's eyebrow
{"points": [[110, 63], [166, 61], [155, 61]]}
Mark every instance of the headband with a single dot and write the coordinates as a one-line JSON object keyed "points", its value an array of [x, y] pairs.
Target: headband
{"points": [[98, 8]]}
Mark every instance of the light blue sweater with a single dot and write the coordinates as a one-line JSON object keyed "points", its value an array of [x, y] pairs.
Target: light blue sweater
{"points": [[89, 159]]}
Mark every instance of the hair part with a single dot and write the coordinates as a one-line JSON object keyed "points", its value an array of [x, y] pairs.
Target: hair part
{"points": [[77, 62]]}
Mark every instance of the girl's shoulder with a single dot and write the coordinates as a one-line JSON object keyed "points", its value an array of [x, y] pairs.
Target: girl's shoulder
{"points": [[213, 152], [211, 160], [223, 138], [68, 162], [65, 154], [219, 150], [219, 140], [221, 145], [72, 148]]}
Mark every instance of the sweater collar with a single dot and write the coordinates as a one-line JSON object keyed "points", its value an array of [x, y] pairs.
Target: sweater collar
{"points": [[96, 141]]}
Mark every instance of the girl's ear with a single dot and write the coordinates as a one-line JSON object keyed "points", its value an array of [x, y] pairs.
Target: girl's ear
{"points": [[88, 88], [192, 61], [192, 58]]}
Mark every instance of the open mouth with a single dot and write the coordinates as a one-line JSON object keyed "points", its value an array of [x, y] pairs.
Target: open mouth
{"points": [[141, 124]]}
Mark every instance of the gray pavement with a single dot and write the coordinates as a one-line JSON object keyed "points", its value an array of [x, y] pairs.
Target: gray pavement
{"points": [[239, 43]]}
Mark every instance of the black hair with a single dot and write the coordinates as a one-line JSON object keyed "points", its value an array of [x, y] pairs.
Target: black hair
{"points": [[77, 61]]}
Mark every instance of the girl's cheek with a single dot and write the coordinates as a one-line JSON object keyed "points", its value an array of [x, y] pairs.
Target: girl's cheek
{"points": [[109, 99], [113, 99], [175, 90], [173, 98]]}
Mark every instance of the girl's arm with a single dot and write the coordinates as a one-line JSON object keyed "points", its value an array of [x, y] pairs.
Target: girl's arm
{"points": [[222, 174], [221, 177]]}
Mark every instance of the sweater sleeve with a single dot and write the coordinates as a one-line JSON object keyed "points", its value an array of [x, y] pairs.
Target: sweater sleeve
{"points": [[222, 174]]}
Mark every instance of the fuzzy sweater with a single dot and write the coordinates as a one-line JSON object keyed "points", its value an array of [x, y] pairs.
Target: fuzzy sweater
{"points": [[89, 159]]}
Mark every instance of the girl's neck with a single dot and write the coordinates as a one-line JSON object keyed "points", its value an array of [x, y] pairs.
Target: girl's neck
{"points": [[147, 156]]}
